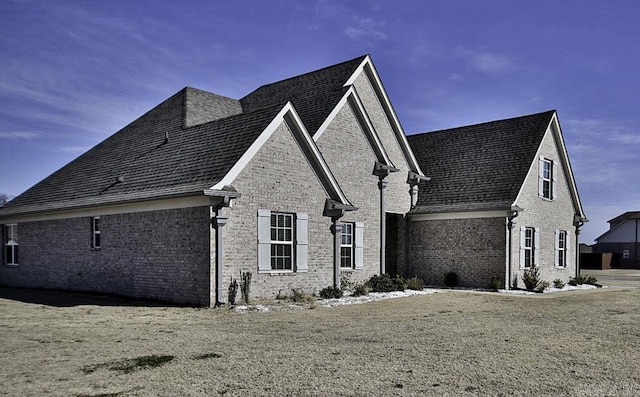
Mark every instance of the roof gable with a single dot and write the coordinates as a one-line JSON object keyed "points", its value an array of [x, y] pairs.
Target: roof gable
{"points": [[480, 166]]}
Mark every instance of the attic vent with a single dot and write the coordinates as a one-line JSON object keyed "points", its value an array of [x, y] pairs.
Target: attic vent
{"points": [[120, 179], [166, 137]]}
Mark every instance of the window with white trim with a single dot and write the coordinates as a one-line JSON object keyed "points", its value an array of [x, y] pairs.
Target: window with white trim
{"points": [[529, 246], [282, 242], [95, 232], [562, 248], [346, 246], [11, 244], [547, 179]]}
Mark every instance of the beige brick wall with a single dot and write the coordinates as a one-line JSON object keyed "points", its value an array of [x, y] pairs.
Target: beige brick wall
{"points": [[548, 216], [156, 254], [472, 248]]}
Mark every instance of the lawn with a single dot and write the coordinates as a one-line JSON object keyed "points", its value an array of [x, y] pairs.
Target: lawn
{"points": [[448, 343]]}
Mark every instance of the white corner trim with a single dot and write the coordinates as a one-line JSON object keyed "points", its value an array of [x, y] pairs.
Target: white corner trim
{"points": [[459, 215]]}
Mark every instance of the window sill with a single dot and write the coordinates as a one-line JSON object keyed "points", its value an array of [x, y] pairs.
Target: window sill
{"points": [[12, 264], [278, 272]]}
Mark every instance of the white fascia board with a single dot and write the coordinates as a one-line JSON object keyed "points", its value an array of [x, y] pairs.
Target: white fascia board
{"points": [[554, 125], [368, 67], [325, 124], [287, 112], [233, 173], [354, 98], [460, 215], [126, 208]]}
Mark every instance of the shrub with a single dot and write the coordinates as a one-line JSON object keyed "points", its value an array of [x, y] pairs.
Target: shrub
{"points": [[542, 285], [558, 283], [415, 283], [531, 278], [233, 291], [330, 292], [245, 285], [298, 295], [578, 280], [361, 290], [385, 283], [496, 283], [450, 279]]}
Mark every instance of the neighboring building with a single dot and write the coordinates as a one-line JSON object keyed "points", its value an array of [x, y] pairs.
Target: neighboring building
{"points": [[621, 240], [304, 173], [502, 198], [299, 182]]}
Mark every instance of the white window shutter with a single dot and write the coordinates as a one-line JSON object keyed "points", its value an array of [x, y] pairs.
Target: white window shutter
{"points": [[540, 177], [567, 249], [302, 242], [536, 256], [359, 248], [557, 249], [264, 240], [554, 179], [522, 244]]}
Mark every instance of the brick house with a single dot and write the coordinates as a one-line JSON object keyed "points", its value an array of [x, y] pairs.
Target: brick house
{"points": [[502, 198], [621, 240], [298, 182]]}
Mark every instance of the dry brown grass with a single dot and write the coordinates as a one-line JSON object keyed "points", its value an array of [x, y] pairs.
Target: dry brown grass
{"points": [[449, 343]]}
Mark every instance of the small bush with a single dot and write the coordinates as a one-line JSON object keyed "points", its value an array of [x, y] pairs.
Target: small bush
{"points": [[415, 283], [579, 280], [298, 295], [542, 285], [385, 283], [233, 291], [531, 278], [361, 290], [330, 292], [558, 283], [450, 279], [496, 283], [245, 285]]}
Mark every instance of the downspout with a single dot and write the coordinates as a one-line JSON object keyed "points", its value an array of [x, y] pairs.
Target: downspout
{"points": [[219, 199], [382, 171], [515, 211], [578, 222]]}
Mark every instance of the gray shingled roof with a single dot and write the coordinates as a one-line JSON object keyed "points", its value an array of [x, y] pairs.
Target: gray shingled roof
{"points": [[479, 166], [207, 134], [314, 94]]}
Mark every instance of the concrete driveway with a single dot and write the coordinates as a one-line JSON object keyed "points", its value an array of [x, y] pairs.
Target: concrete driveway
{"points": [[627, 278]]}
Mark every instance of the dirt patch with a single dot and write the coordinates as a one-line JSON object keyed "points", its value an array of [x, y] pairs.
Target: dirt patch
{"points": [[450, 342]]}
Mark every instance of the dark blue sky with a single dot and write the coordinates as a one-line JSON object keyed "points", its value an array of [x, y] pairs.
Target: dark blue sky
{"points": [[74, 72]]}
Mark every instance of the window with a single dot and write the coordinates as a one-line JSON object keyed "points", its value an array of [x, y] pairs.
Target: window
{"points": [[11, 244], [547, 179], [282, 242], [346, 246], [529, 247], [562, 248], [95, 232]]}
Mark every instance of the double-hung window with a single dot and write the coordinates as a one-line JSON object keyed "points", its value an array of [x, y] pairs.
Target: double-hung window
{"points": [[346, 246], [282, 242], [547, 179], [562, 249], [11, 244], [95, 232], [529, 247]]}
